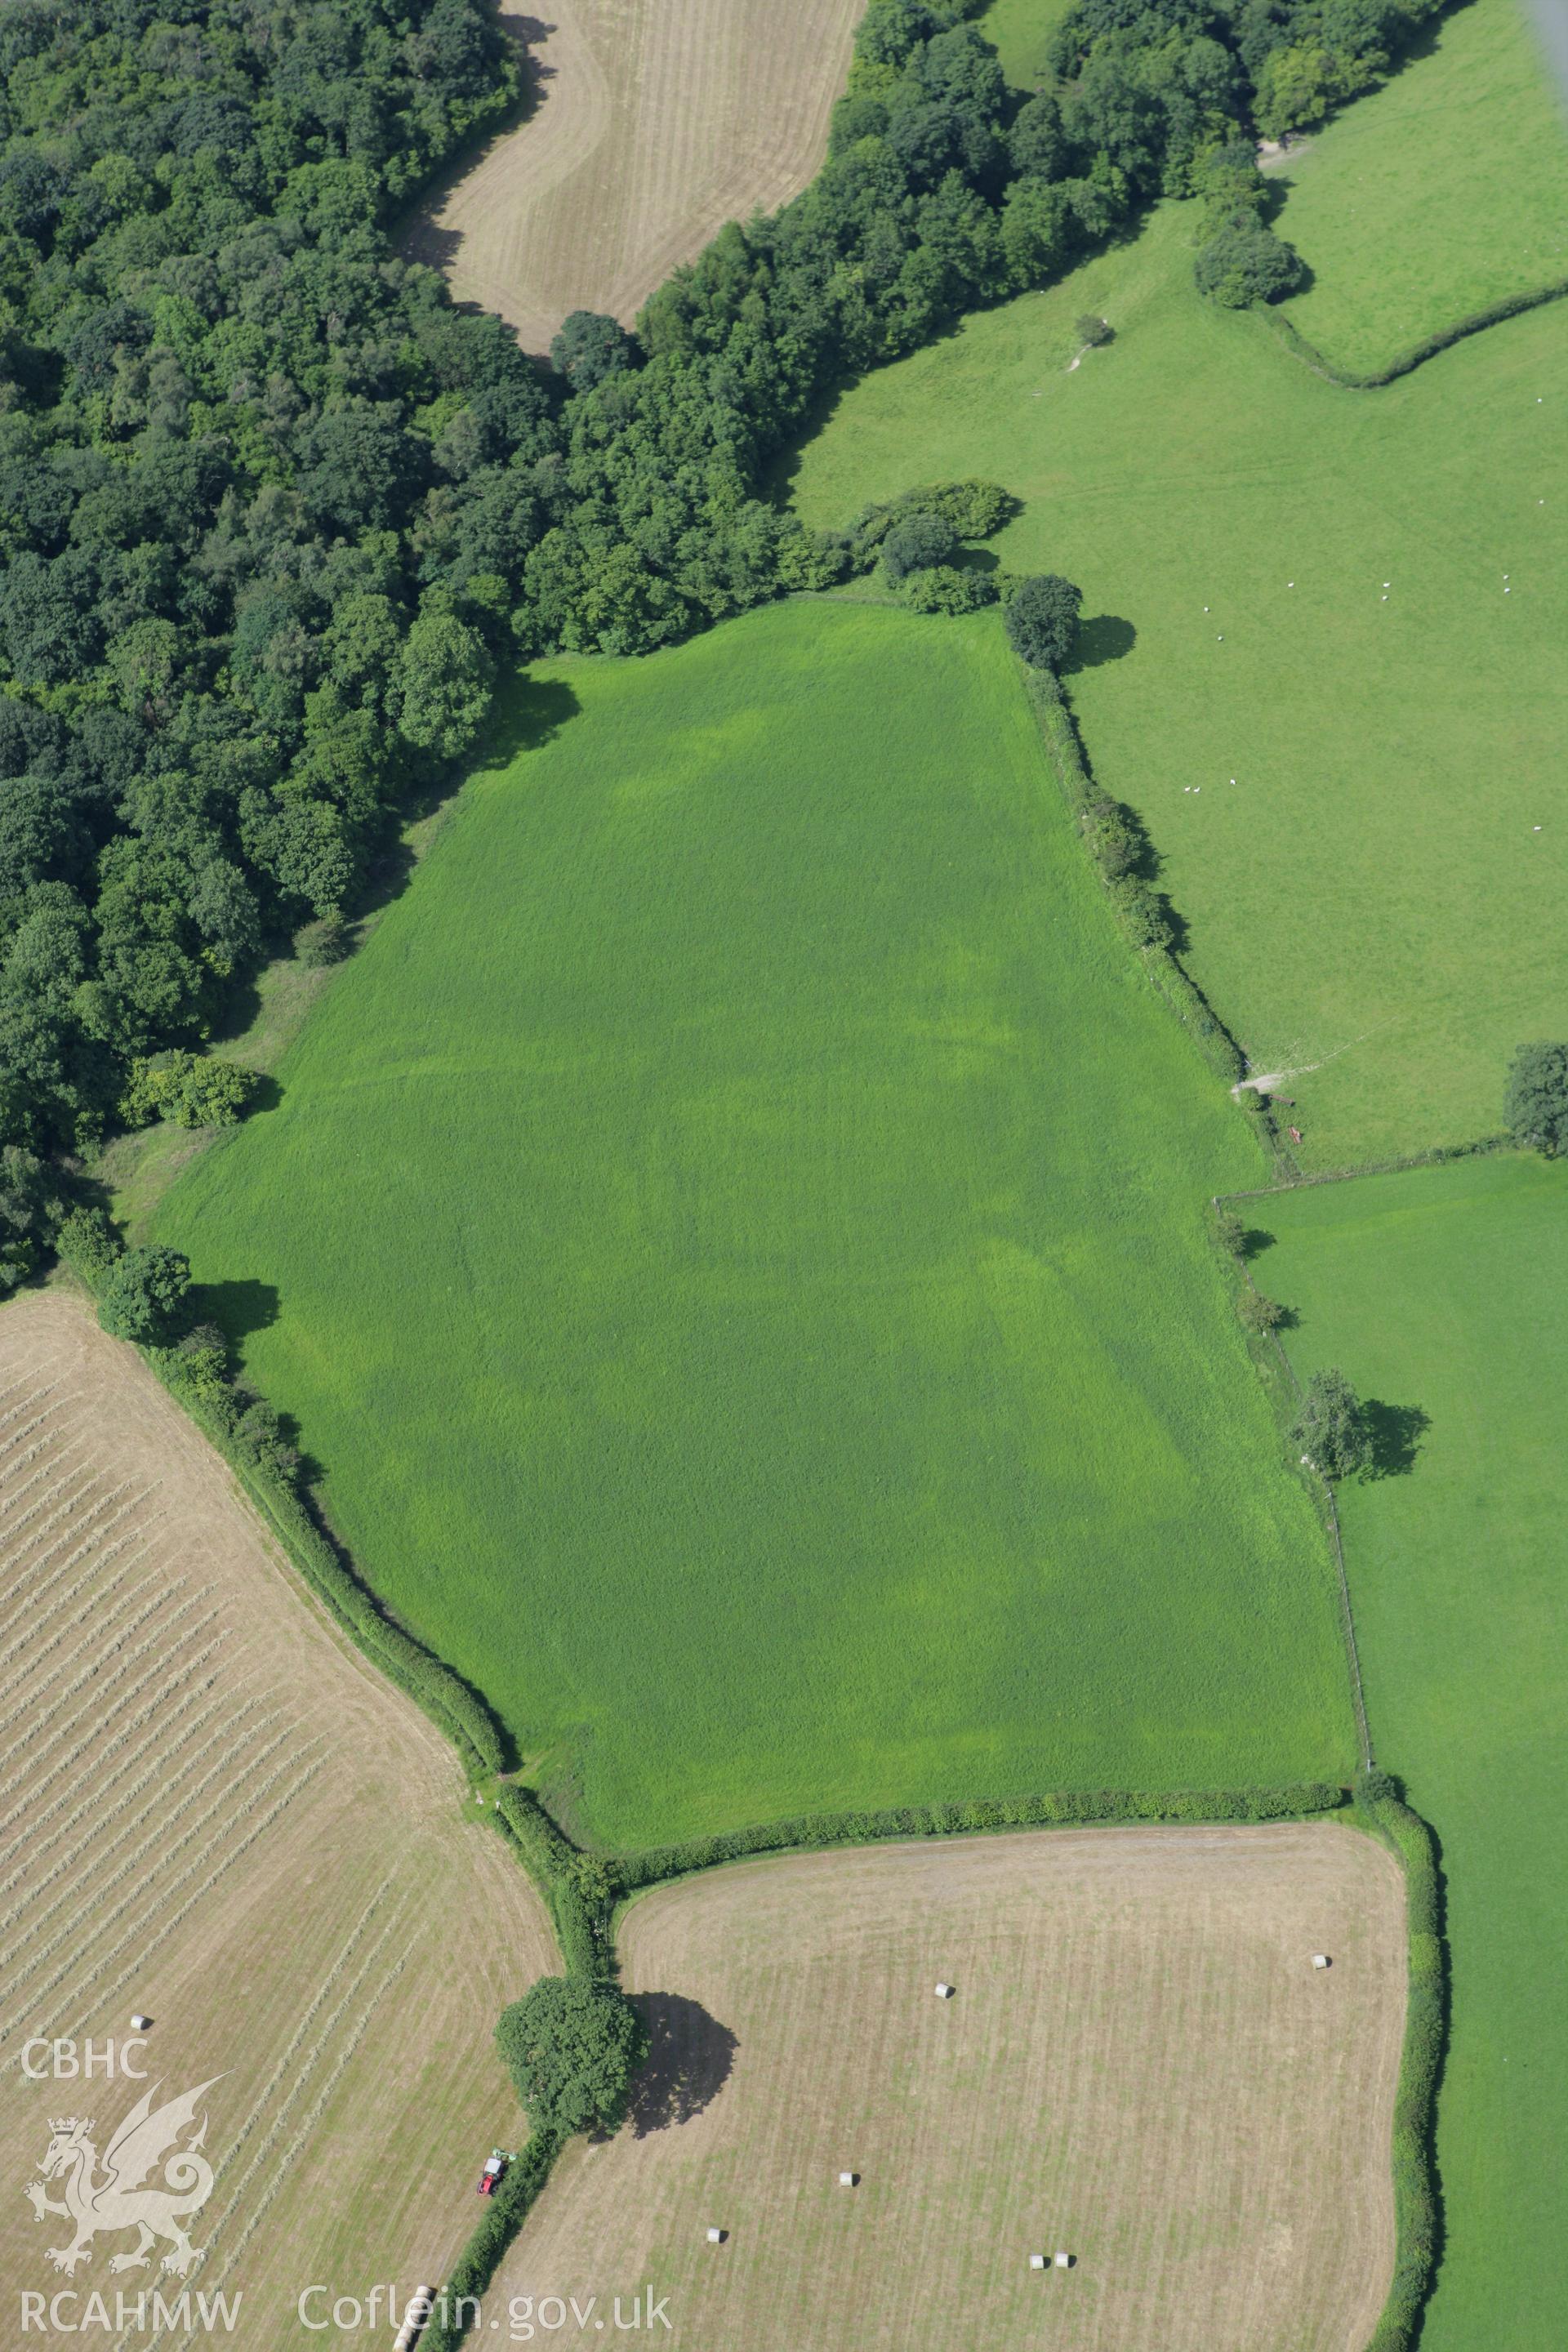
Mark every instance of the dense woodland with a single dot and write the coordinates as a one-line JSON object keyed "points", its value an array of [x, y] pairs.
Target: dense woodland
{"points": [[273, 511]]}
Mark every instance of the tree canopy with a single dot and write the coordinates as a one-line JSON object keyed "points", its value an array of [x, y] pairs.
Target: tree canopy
{"points": [[1042, 619], [1331, 1428], [571, 2048], [273, 512], [1535, 1106]]}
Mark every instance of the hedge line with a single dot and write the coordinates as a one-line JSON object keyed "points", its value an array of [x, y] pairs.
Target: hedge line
{"points": [[504, 2216], [1417, 2227], [579, 1906], [1064, 1808], [1511, 306], [1140, 908], [454, 1709]]}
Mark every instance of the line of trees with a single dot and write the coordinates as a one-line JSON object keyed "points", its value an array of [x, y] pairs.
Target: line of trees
{"points": [[272, 511]]}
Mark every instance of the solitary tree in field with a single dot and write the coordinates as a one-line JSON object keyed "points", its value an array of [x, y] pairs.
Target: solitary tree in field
{"points": [[1244, 262], [571, 2048], [144, 1294], [1042, 619], [1330, 1428], [1536, 1104]]}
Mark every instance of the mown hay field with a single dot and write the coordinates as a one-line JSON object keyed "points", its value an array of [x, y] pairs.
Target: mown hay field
{"points": [[1443, 1293], [1433, 197], [1139, 2067], [735, 1238], [1301, 588], [213, 1813], [655, 123]]}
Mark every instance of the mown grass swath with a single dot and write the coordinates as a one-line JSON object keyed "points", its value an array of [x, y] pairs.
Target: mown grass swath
{"points": [[751, 1300]]}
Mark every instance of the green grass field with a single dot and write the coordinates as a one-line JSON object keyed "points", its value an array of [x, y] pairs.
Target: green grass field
{"points": [[1445, 1290], [1018, 31], [1371, 895], [1430, 199], [739, 1233]]}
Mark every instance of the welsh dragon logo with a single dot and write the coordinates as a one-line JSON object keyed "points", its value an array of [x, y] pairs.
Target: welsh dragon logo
{"points": [[119, 2197]]}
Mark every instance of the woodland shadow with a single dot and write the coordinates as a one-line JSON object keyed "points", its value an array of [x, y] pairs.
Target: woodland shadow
{"points": [[689, 2061]]}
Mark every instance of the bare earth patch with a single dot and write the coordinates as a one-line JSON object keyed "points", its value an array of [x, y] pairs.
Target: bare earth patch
{"points": [[213, 1811], [1140, 2066], [655, 122]]}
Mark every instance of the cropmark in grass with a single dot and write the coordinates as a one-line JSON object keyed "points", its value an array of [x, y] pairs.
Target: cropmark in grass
{"points": [[1302, 589], [739, 1236], [1442, 1294]]}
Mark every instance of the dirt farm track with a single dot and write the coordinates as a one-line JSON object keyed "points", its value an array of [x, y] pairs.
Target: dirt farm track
{"points": [[656, 121], [1139, 2067], [211, 1810]]}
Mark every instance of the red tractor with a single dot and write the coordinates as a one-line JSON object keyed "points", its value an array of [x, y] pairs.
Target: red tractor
{"points": [[495, 2165]]}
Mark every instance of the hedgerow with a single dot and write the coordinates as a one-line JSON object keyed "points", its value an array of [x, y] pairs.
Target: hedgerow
{"points": [[810, 1832], [197, 1377], [1417, 2227]]}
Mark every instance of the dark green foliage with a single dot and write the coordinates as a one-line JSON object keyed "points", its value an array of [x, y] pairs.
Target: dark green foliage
{"points": [[1415, 2214], [1094, 331], [1330, 1428], [144, 1293], [504, 2214], [1042, 619], [1243, 263], [1116, 836], [1535, 1106], [579, 1903], [949, 588], [571, 2048], [1260, 1314], [1230, 1233], [324, 941], [193, 1089], [915, 542], [29, 1212], [589, 347], [272, 508], [1073, 1805], [89, 1244]]}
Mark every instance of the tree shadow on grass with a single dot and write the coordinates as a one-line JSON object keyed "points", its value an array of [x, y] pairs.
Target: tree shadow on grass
{"points": [[689, 2061], [1397, 1431], [237, 1307], [1106, 638]]}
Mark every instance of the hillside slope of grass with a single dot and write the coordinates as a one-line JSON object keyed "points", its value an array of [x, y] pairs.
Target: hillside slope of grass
{"points": [[1433, 197], [1444, 1292], [1372, 894], [737, 1231]]}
